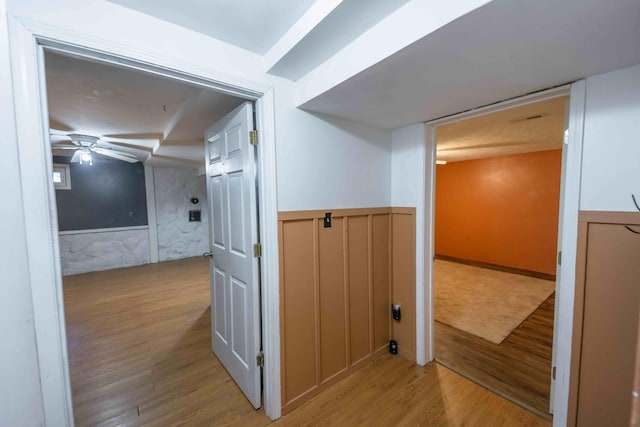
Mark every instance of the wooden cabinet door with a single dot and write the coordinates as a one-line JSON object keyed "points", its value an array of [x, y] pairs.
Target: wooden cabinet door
{"points": [[609, 280]]}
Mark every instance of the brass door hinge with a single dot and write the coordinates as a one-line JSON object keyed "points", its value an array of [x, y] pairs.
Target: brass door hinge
{"points": [[257, 250], [253, 137], [260, 359]]}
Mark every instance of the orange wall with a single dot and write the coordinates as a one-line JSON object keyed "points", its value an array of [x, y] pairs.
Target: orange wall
{"points": [[500, 210]]}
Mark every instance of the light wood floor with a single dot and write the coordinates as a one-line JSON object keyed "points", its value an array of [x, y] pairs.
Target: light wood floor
{"points": [[139, 351], [519, 368]]}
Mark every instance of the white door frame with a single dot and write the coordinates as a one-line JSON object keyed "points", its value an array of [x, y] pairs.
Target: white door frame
{"points": [[569, 238], [28, 41]]}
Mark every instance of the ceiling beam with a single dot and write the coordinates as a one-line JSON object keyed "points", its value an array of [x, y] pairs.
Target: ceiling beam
{"points": [[165, 161], [298, 31], [408, 24], [185, 108]]}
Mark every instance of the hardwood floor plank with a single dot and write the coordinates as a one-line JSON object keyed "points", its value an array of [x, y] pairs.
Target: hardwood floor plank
{"points": [[140, 354], [519, 368]]}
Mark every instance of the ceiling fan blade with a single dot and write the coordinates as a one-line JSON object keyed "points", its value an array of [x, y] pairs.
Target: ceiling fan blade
{"points": [[115, 154], [65, 147], [57, 136], [76, 157], [56, 124], [59, 139], [124, 137], [139, 143]]}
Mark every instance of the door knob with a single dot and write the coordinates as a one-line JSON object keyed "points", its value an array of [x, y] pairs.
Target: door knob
{"points": [[208, 254]]}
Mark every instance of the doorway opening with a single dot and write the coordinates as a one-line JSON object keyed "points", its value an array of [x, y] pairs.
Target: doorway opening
{"points": [[134, 203], [497, 210]]}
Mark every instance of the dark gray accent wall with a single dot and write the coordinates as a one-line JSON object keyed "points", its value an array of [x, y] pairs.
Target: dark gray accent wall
{"points": [[109, 193]]}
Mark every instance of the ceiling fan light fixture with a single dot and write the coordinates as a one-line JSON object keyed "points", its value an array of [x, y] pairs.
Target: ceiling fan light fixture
{"points": [[86, 157], [85, 140]]}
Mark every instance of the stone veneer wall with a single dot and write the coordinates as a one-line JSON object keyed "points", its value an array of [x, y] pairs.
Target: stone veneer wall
{"points": [[85, 252], [177, 237]]}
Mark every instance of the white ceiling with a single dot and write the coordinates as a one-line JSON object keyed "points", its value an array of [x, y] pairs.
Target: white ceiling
{"points": [[161, 121], [249, 24], [503, 49], [533, 127]]}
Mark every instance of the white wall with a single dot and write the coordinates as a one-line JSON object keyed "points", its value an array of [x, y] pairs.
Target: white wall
{"points": [[411, 160], [177, 237], [611, 152], [99, 19], [407, 152], [329, 163], [84, 252], [20, 399]]}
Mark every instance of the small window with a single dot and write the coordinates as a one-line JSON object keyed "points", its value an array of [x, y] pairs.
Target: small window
{"points": [[61, 177]]}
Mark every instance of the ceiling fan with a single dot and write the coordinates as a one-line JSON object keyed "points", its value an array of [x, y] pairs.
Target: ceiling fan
{"points": [[85, 146]]}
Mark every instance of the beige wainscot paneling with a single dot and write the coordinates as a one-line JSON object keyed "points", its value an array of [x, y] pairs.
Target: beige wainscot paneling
{"points": [[332, 296], [404, 279], [360, 308], [380, 268], [606, 314], [336, 288], [298, 294]]}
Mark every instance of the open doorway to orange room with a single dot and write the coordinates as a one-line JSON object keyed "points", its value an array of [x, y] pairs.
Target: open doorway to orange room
{"points": [[497, 201]]}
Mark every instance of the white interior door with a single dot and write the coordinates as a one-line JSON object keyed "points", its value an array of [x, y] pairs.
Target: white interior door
{"points": [[235, 293]]}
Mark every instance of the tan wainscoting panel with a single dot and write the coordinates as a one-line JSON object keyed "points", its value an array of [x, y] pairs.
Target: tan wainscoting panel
{"points": [[404, 279], [380, 260], [336, 288], [360, 315], [333, 307], [298, 294], [606, 314]]}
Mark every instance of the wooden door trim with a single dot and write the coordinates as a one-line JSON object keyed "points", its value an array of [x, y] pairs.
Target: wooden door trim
{"points": [[336, 213], [609, 217]]}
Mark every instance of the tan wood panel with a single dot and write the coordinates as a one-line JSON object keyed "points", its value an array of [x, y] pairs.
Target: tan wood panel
{"points": [[333, 351], [349, 265], [635, 409], [380, 261], [403, 210], [299, 308], [585, 219], [359, 297], [404, 284], [610, 323]]}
